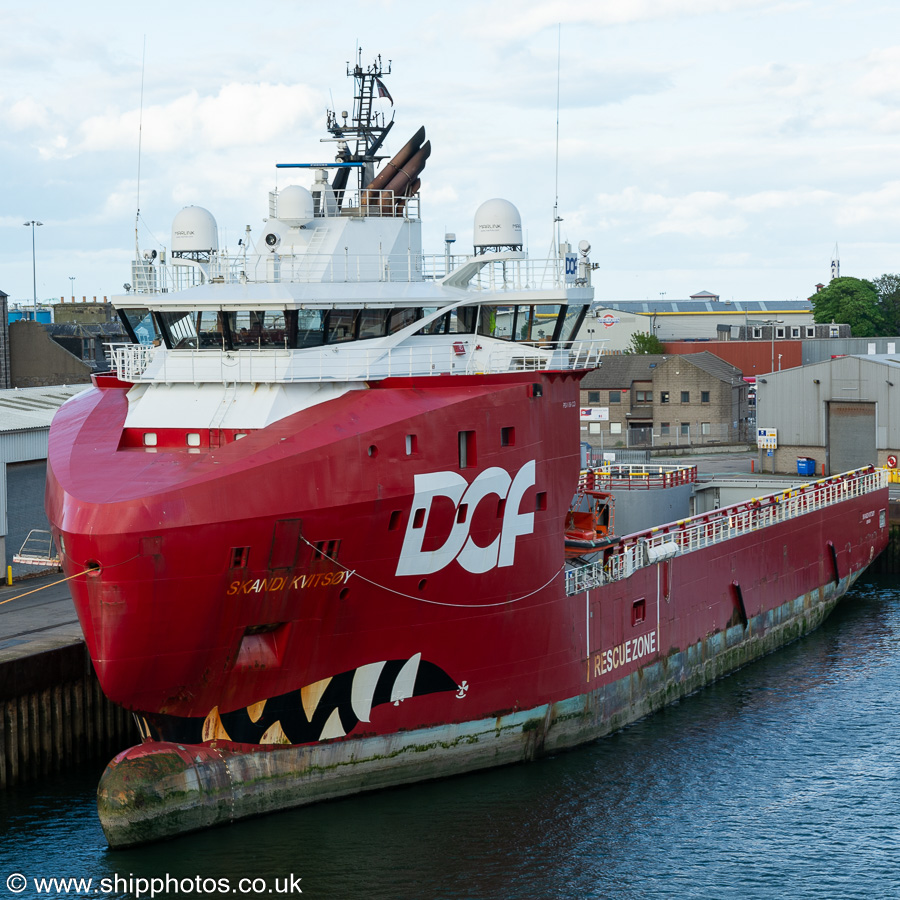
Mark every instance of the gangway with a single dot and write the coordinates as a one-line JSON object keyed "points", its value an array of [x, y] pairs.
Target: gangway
{"points": [[38, 549]]}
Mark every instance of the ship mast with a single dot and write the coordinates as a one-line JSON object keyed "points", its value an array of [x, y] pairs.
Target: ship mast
{"points": [[361, 138]]}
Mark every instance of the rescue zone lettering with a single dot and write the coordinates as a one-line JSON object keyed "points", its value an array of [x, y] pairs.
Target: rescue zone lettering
{"points": [[630, 651], [260, 585]]}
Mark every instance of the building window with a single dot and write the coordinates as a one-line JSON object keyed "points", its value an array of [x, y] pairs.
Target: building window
{"points": [[663, 396], [795, 332], [686, 428], [757, 332], [593, 396], [704, 396], [832, 331], [615, 396], [685, 396], [779, 332], [615, 427], [810, 331], [704, 428], [644, 397], [665, 428]]}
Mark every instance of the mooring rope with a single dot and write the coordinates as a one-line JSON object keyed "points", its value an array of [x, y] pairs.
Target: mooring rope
{"points": [[390, 590]]}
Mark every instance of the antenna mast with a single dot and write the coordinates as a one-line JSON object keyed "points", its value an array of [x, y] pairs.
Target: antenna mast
{"points": [[554, 249], [366, 129], [137, 252]]}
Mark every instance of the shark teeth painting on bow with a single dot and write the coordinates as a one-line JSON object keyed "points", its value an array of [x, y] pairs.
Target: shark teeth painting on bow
{"points": [[323, 710]]}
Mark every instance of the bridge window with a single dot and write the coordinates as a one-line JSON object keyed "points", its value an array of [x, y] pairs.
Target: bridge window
{"points": [[258, 328], [140, 326], [340, 325], [496, 321], [373, 323], [310, 328], [573, 316]]}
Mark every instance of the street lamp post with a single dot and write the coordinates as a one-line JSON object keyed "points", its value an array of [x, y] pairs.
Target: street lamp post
{"points": [[32, 223], [72, 279]]}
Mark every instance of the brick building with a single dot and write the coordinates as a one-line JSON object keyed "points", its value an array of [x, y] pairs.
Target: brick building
{"points": [[641, 400], [4, 342]]}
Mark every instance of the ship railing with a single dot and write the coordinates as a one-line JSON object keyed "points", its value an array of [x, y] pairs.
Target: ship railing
{"points": [[342, 266], [526, 274], [698, 532], [535, 356], [625, 476], [342, 362]]}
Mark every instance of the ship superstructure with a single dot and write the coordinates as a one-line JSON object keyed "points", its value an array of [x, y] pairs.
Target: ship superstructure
{"points": [[323, 512]]}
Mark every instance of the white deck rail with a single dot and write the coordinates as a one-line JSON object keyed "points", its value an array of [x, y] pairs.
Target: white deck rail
{"points": [[687, 535], [343, 362]]}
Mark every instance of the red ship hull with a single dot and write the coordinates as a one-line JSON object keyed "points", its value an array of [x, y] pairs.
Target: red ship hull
{"points": [[287, 588]]}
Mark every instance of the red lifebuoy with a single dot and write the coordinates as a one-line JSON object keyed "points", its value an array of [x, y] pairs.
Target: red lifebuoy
{"points": [[892, 462]]}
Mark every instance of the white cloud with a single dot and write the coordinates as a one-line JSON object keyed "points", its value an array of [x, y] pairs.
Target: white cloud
{"points": [[27, 113], [239, 115]]}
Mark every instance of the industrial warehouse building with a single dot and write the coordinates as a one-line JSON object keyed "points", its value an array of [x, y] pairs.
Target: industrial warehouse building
{"points": [[842, 413], [700, 317], [25, 417]]}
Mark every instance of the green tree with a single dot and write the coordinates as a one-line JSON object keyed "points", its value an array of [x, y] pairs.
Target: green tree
{"points": [[888, 287], [853, 302], [644, 342]]}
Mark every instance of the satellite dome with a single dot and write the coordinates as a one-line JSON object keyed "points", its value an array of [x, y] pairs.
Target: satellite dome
{"points": [[295, 204], [194, 230], [498, 226]]}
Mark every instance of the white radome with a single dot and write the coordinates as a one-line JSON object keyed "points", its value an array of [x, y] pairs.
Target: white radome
{"points": [[498, 223], [194, 230]]}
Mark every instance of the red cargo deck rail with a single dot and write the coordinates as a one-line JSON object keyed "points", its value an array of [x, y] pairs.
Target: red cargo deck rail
{"points": [[686, 535], [635, 477]]}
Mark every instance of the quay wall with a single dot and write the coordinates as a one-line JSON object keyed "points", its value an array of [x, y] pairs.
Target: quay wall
{"points": [[53, 715]]}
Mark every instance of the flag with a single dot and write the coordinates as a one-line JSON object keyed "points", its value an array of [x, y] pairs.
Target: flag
{"points": [[383, 91]]}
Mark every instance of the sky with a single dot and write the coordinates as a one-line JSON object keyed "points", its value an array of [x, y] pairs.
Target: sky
{"points": [[720, 145]]}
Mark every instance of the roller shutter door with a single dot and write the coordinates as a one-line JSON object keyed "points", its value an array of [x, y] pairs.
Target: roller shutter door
{"points": [[851, 435], [25, 506]]}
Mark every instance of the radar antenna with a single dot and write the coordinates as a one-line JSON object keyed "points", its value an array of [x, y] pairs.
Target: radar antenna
{"points": [[360, 139]]}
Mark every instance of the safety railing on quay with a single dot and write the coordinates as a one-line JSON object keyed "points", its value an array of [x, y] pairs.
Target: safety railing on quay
{"points": [[625, 476], [684, 536], [330, 362]]}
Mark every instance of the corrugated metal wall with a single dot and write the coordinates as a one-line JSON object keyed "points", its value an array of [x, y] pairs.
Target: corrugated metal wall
{"points": [[796, 403], [21, 448], [851, 435], [818, 351], [25, 507]]}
